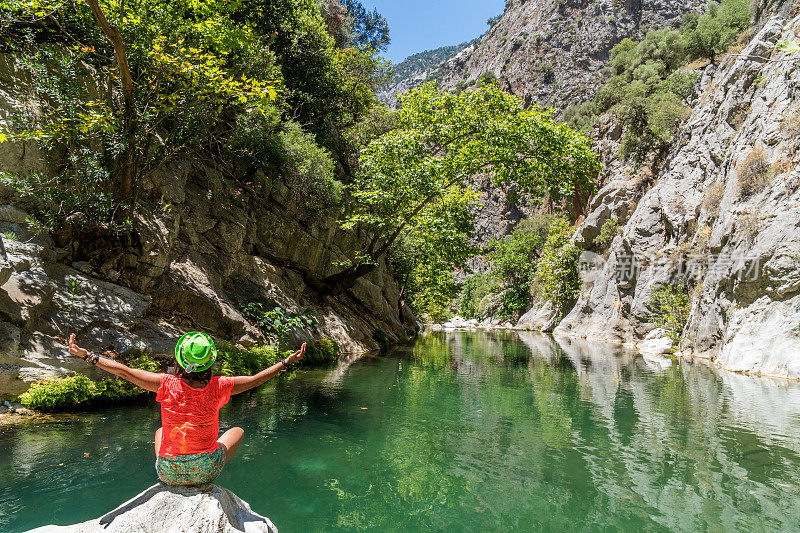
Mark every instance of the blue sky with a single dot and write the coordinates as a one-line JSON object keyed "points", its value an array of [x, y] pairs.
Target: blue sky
{"points": [[418, 25]]}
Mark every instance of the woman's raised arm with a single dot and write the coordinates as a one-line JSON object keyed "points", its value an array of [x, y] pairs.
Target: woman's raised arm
{"points": [[141, 378], [243, 383]]}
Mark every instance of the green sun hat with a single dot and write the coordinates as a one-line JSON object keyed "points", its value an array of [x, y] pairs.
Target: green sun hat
{"points": [[195, 352]]}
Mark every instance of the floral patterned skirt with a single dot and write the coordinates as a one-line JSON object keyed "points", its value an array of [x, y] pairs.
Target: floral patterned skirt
{"points": [[194, 469]]}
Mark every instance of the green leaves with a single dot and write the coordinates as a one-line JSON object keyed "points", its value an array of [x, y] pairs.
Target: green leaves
{"points": [[415, 180], [444, 139], [713, 32], [275, 322], [557, 278], [670, 307]]}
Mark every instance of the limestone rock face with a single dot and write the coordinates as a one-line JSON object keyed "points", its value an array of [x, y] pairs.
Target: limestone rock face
{"points": [[163, 509], [736, 246]]}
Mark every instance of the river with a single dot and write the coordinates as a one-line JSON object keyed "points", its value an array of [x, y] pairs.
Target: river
{"points": [[459, 432]]}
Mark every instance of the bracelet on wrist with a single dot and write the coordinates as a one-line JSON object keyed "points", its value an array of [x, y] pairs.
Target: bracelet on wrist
{"points": [[91, 358]]}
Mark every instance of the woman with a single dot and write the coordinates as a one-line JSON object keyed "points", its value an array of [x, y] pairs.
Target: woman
{"points": [[187, 449]]}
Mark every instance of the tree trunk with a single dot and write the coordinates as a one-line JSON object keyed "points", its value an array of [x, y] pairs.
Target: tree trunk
{"points": [[126, 167]]}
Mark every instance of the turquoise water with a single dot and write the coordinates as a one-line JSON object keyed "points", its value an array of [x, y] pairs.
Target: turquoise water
{"points": [[461, 432]]}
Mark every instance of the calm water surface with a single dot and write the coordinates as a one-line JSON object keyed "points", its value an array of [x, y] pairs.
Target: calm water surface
{"points": [[461, 432]]}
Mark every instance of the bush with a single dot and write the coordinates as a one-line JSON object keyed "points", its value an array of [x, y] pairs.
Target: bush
{"points": [[514, 300], [284, 151], [80, 391], [320, 352], [233, 361], [670, 307], [557, 279], [581, 117], [608, 231], [309, 169], [472, 302], [59, 394], [514, 257], [275, 322], [791, 125], [713, 197], [754, 174], [712, 33]]}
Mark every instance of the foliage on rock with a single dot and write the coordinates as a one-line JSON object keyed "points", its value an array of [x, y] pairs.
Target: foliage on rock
{"points": [[275, 322], [78, 391], [670, 307], [557, 279], [608, 231], [709, 35], [647, 91], [754, 173]]}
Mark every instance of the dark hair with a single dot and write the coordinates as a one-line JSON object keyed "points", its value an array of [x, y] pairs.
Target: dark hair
{"points": [[204, 376]]}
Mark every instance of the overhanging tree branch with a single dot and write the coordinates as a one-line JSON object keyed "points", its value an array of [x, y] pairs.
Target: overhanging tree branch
{"points": [[130, 117]]}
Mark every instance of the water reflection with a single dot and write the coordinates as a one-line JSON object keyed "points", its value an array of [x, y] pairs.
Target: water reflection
{"points": [[460, 432]]}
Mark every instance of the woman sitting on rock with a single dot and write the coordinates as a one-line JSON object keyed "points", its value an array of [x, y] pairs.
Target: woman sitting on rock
{"points": [[187, 449]]}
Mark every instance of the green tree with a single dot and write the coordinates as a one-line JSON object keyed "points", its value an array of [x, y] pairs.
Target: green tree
{"points": [[427, 252], [179, 73], [368, 30], [557, 278], [712, 33], [444, 139]]}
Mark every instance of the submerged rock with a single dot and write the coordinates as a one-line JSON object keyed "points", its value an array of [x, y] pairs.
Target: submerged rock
{"points": [[161, 508]]}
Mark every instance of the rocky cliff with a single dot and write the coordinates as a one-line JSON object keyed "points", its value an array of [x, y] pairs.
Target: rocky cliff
{"points": [[202, 245], [552, 52], [202, 509], [721, 215]]}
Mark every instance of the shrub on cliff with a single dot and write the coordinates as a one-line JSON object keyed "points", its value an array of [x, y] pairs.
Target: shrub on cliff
{"points": [[472, 302], [647, 92], [557, 279], [320, 352], [709, 35], [79, 391], [514, 260], [233, 361], [754, 173], [670, 306]]}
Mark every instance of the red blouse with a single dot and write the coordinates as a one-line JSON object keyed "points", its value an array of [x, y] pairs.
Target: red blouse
{"points": [[190, 417]]}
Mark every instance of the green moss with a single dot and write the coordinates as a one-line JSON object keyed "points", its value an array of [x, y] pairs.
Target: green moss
{"points": [[382, 339], [321, 352]]}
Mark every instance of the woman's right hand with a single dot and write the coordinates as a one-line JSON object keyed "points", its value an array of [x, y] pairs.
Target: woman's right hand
{"points": [[296, 356], [74, 349]]}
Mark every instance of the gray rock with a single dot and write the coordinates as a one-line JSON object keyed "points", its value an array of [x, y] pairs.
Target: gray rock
{"points": [[539, 318], [161, 508], [573, 38], [12, 214], [739, 254], [656, 343]]}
